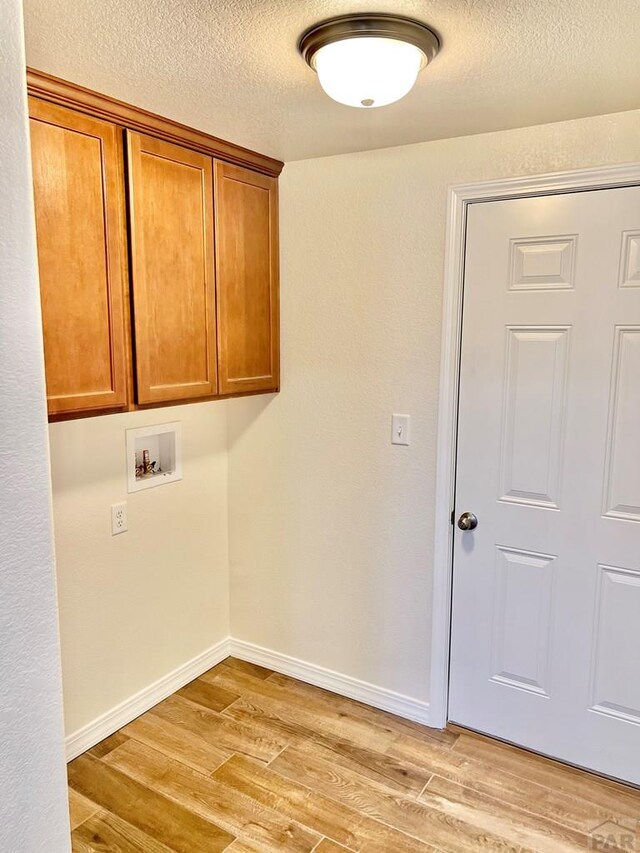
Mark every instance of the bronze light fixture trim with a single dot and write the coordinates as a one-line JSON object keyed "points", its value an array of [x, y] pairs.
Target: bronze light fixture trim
{"points": [[367, 60]]}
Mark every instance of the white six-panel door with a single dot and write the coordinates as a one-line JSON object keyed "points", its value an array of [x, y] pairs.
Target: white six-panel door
{"points": [[545, 647]]}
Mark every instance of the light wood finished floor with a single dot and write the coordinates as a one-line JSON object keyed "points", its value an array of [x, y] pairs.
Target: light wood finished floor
{"points": [[248, 761]]}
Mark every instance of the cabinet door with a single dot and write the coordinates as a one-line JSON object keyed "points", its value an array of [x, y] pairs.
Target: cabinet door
{"points": [[171, 229], [80, 222], [247, 276]]}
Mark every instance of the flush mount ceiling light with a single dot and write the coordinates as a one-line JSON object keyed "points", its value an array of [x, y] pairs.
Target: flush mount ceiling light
{"points": [[368, 60]]}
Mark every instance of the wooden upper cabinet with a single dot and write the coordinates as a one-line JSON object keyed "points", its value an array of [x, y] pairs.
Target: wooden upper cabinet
{"points": [[80, 221], [247, 279], [197, 314], [171, 235]]}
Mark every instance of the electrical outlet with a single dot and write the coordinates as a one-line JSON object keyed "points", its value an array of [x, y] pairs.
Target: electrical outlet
{"points": [[118, 518]]}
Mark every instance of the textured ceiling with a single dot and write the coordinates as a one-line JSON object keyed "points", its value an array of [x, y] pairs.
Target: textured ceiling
{"points": [[230, 67]]}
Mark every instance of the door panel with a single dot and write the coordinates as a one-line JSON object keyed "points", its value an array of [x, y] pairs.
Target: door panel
{"points": [[171, 208], [543, 263], [546, 590], [79, 206], [521, 644], [533, 422], [630, 260], [615, 687], [247, 273], [622, 481]]}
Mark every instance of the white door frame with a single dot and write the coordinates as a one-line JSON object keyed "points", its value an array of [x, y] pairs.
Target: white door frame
{"points": [[460, 197]]}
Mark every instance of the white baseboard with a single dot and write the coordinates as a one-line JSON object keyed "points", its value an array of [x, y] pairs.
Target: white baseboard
{"points": [[108, 723], [344, 685]]}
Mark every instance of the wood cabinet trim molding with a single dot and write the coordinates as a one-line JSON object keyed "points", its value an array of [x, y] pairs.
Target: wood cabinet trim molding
{"points": [[57, 91]]}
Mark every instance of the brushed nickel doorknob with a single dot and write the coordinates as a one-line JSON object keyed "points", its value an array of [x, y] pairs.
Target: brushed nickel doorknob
{"points": [[468, 521]]}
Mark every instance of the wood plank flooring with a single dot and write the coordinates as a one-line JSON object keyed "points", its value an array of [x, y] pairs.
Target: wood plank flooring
{"points": [[244, 760]]}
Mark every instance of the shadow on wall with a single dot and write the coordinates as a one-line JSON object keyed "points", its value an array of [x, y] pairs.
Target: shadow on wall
{"points": [[244, 412]]}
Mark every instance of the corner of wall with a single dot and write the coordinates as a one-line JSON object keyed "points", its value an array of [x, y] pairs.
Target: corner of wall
{"points": [[32, 784]]}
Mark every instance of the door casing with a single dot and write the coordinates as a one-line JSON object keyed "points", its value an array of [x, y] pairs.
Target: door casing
{"points": [[459, 199]]}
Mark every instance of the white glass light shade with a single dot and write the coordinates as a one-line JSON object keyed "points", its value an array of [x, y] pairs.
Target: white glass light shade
{"points": [[367, 71]]}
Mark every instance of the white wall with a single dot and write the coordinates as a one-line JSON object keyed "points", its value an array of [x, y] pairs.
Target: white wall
{"points": [[331, 528], [32, 780], [136, 606]]}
